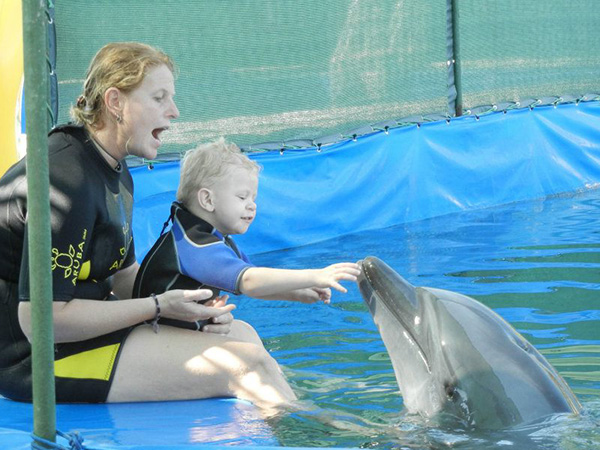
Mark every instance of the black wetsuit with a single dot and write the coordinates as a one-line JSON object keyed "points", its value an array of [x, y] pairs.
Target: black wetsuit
{"points": [[91, 208]]}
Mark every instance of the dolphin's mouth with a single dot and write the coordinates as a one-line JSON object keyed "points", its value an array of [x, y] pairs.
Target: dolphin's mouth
{"points": [[379, 282]]}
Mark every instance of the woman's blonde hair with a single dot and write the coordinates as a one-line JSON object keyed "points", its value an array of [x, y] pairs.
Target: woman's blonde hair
{"points": [[208, 163], [119, 64]]}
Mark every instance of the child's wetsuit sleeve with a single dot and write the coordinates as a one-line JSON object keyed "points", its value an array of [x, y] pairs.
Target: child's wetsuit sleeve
{"points": [[210, 262]]}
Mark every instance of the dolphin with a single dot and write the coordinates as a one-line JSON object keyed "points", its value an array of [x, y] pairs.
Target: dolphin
{"points": [[454, 357]]}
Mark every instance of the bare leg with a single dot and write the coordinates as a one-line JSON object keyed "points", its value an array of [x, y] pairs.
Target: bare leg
{"points": [[178, 364], [242, 331]]}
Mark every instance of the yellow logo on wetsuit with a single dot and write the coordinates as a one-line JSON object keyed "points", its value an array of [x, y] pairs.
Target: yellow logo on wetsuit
{"points": [[70, 260], [127, 238]]}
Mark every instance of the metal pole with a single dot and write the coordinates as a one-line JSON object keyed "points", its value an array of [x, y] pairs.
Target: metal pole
{"points": [[456, 58], [38, 217]]}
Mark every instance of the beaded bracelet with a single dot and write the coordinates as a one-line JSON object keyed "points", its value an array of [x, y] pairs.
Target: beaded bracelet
{"points": [[157, 314]]}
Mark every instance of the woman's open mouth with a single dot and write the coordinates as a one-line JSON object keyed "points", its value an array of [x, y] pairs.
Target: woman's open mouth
{"points": [[157, 132]]}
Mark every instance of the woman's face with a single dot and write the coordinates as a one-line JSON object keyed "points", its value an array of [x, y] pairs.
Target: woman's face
{"points": [[147, 112]]}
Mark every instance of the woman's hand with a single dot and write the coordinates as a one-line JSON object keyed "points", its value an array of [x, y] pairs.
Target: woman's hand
{"points": [[182, 305], [220, 324]]}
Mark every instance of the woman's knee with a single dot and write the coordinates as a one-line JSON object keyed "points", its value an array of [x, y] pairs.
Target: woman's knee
{"points": [[243, 331], [253, 357]]}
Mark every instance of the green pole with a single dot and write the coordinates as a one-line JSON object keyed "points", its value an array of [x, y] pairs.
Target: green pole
{"points": [[457, 59], [38, 217]]}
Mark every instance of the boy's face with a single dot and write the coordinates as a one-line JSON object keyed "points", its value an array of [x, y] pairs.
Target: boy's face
{"points": [[234, 199]]}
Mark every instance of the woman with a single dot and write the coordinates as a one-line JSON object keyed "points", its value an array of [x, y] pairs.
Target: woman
{"points": [[105, 352]]}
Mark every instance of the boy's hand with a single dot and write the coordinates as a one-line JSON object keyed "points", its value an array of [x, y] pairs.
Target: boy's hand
{"points": [[219, 301], [330, 276], [312, 295]]}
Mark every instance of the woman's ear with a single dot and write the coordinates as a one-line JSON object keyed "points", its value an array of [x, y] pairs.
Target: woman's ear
{"points": [[114, 101], [206, 200]]}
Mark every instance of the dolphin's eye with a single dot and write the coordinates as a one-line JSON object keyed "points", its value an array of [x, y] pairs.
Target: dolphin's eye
{"points": [[450, 391]]}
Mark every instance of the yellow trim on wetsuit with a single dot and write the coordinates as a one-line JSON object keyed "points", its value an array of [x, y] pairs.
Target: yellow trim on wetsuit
{"points": [[92, 364], [84, 273]]}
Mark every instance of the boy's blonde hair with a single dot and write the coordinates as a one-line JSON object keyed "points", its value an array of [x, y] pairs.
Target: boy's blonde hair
{"points": [[119, 64], [208, 163]]}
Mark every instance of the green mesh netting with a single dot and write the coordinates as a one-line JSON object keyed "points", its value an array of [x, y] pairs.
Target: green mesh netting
{"points": [[513, 49], [258, 71], [274, 70]]}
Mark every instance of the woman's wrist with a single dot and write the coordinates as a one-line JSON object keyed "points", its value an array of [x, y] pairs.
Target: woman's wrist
{"points": [[157, 312]]}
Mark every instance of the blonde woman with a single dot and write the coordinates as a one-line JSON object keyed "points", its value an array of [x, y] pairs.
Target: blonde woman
{"points": [[108, 346]]}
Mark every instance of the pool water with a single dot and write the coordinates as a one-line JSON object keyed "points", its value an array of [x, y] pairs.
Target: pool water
{"points": [[536, 263]]}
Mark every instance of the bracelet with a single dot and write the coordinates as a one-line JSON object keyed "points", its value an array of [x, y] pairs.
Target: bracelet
{"points": [[157, 314]]}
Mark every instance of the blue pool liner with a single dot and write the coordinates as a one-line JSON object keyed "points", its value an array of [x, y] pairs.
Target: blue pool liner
{"points": [[408, 174]]}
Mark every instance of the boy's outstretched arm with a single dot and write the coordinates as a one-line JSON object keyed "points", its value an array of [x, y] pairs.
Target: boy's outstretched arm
{"points": [[264, 282], [306, 295]]}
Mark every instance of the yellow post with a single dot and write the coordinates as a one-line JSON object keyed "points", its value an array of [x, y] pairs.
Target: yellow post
{"points": [[11, 79]]}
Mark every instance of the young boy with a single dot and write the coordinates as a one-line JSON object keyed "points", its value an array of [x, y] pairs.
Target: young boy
{"points": [[216, 198]]}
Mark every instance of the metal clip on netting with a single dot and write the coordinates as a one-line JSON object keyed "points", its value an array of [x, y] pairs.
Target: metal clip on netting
{"points": [[352, 136], [534, 104], [557, 101], [74, 440]]}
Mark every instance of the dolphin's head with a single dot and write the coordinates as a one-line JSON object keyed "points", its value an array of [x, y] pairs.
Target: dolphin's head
{"points": [[451, 353], [398, 311]]}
